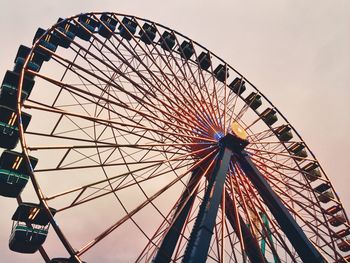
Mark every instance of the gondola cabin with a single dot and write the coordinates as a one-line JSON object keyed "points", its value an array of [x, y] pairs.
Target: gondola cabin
{"points": [[186, 50], [30, 228], [337, 220], [221, 73], [344, 245], [86, 26], [298, 149], [237, 86], [9, 89], [9, 133], [35, 61], [147, 33], [253, 100], [48, 43], [127, 28], [311, 171], [269, 116], [204, 60], [167, 40], [67, 31], [108, 25], [284, 133], [14, 173]]}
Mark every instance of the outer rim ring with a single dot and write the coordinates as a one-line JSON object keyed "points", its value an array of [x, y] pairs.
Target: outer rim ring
{"points": [[24, 145]]}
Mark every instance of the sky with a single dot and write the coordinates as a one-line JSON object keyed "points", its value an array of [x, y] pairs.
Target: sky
{"points": [[296, 52]]}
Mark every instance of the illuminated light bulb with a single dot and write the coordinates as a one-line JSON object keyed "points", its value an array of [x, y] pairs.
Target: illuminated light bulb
{"points": [[238, 131], [33, 213], [218, 135]]}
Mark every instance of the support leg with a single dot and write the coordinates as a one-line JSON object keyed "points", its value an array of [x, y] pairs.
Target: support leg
{"points": [[303, 246], [198, 245]]}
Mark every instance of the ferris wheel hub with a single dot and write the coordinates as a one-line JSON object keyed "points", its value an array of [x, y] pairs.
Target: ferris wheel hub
{"points": [[233, 142]]}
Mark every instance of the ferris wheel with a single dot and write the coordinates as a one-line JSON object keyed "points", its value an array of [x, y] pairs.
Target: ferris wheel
{"points": [[142, 144]]}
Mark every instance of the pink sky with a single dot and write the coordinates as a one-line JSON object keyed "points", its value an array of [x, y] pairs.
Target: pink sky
{"points": [[296, 52]]}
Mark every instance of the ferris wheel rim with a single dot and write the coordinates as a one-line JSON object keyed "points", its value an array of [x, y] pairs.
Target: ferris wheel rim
{"points": [[22, 133]]}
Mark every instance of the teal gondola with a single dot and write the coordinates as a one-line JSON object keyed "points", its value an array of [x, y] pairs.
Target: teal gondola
{"points": [[35, 61], [9, 89], [108, 25], [86, 27], [127, 28], [14, 173], [30, 228], [67, 31], [9, 133], [48, 43]]}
